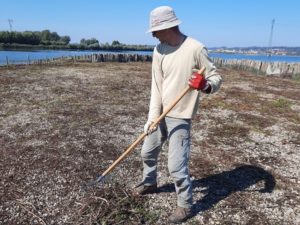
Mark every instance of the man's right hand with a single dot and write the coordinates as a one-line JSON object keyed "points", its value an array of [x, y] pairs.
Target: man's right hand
{"points": [[198, 82], [148, 129]]}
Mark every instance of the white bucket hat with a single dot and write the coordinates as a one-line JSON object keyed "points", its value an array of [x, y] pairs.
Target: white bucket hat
{"points": [[161, 18]]}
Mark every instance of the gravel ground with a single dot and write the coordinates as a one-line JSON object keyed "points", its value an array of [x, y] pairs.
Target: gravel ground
{"points": [[63, 125]]}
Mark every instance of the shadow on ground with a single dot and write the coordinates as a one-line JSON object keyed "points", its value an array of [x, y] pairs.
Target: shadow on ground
{"points": [[219, 186]]}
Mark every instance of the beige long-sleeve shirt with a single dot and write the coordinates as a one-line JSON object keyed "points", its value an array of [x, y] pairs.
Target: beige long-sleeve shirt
{"points": [[172, 68]]}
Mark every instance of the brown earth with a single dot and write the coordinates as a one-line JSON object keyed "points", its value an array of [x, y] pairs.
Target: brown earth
{"points": [[63, 125]]}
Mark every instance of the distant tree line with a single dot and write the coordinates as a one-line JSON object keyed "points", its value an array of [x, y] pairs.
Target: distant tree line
{"points": [[44, 37], [94, 44], [51, 40]]}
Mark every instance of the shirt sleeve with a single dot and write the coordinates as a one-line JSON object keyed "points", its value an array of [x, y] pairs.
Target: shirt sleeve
{"points": [[155, 107], [211, 74]]}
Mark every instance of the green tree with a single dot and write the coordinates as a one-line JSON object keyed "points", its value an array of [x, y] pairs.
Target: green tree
{"points": [[115, 43], [46, 35], [54, 36], [30, 38], [83, 41], [88, 42], [4, 37], [65, 40]]}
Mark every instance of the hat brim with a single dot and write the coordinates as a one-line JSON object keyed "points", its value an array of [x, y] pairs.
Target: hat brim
{"points": [[165, 26]]}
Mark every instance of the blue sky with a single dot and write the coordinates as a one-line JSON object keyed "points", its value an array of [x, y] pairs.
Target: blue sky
{"points": [[231, 23]]}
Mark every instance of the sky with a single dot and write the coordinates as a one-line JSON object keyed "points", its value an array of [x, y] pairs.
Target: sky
{"points": [[216, 23]]}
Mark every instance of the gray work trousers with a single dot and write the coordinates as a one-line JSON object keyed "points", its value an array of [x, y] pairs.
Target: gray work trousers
{"points": [[177, 131]]}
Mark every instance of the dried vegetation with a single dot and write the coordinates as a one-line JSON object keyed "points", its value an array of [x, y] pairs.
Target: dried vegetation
{"points": [[62, 125]]}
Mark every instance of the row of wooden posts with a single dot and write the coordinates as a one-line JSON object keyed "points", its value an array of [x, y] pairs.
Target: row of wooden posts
{"points": [[108, 57], [262, 67], [114, 58], [270, 68]]}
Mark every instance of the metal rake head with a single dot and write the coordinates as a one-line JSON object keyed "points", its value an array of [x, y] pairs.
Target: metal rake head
{"points": [[98, 182]]}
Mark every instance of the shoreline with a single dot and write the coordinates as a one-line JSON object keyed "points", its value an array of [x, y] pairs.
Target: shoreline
{"points": [[280, 69]]}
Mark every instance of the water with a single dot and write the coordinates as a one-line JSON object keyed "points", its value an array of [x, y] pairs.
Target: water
{"points": [[19, 57], [265, 58]]}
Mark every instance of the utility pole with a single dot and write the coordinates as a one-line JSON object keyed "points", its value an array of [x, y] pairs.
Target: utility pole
{"points": [[10, 22], [272, 69], [271, 36]]}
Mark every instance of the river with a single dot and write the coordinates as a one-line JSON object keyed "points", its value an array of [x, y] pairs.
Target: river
{"points": [[264, 58], [19, 57]]}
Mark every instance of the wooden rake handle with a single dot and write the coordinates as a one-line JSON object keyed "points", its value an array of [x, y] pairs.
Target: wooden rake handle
{"points": [[154, 124]]}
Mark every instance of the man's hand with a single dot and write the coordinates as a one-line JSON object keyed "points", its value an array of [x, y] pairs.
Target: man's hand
{"points": [[148, 129], [198, 82]]}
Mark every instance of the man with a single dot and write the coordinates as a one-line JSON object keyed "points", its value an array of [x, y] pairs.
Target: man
{"points": [[175, 59]]}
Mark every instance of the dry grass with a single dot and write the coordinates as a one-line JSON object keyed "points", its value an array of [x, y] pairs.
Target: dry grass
{"points": [[60, 126]]}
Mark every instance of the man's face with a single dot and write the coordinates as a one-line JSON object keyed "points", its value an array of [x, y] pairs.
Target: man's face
{"points": [[161, 35]]}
